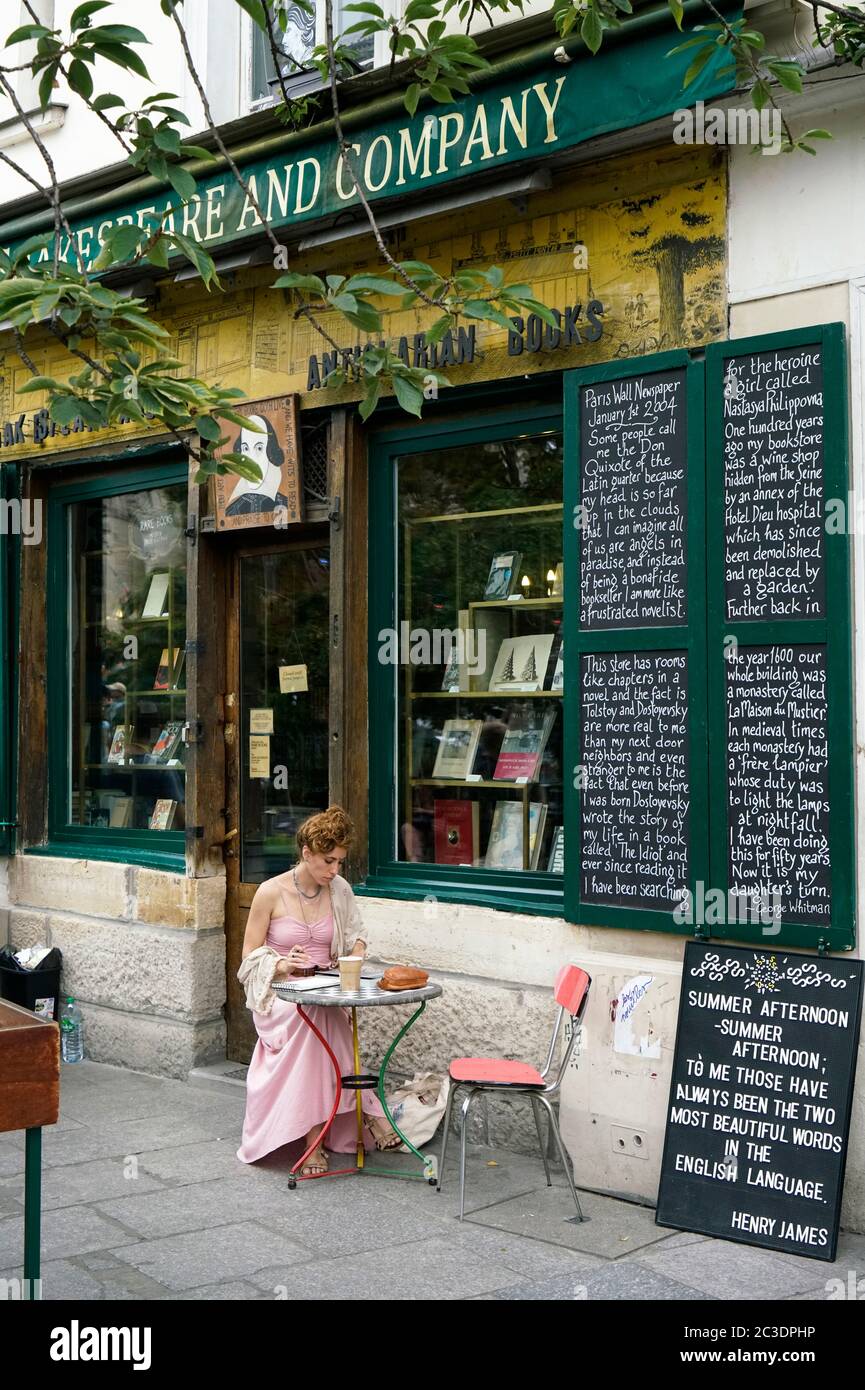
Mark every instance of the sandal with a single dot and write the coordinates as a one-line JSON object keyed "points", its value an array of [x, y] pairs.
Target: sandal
{"points": [[316, 1165], [384, 1139]]}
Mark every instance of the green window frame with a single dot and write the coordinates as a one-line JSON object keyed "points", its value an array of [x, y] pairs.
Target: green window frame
{"points": [[526, 891], [151, 848], [703, 637]]}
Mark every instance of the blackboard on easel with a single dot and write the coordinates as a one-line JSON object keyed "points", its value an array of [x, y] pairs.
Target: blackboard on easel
{"points": [[760, 1097]]}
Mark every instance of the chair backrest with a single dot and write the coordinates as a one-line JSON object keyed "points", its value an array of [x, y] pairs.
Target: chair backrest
{"points": [[571, 992], [571, 989]]}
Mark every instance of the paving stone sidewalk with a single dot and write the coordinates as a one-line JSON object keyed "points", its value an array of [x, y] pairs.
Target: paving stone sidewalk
{"points": [[144, 1198]]}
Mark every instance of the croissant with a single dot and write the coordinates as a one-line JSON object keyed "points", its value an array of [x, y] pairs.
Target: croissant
{"points": [[398, 977]]}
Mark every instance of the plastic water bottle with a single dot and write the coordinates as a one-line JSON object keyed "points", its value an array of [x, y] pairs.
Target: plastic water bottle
{"points": [[71, 1032]]}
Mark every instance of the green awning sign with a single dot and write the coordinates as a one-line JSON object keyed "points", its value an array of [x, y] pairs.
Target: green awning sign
{"points": [[540, 112]]}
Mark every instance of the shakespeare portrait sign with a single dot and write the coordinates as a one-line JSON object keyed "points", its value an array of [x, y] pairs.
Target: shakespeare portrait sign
{"points": [[275, 498]]}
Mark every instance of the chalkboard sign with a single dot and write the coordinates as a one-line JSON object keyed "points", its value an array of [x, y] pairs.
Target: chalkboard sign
{"points": [[778, 779], [774, 433], [760, 1097], [634, 755], [633, 491]]}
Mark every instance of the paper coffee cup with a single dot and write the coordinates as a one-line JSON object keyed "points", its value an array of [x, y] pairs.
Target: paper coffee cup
{"points": [[349, 972]]}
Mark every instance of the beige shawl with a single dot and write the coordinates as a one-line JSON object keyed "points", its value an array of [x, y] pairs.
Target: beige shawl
{"points": [[256, 971]]}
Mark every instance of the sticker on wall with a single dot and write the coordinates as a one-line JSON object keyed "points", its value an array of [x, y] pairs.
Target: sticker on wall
{"points": [[293, 679], [261, 721], [259, 755], [633, 1032]]}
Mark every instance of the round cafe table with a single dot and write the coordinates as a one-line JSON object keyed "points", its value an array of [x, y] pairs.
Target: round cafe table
{"points": [[369, 996]]}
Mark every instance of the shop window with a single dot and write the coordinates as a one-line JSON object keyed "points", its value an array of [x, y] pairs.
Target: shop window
{"points": [[471, 658], [617, 657], [303, 32], [117, 663]]}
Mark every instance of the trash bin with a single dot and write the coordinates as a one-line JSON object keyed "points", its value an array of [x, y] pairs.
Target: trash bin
{"points": [[38, 990]]}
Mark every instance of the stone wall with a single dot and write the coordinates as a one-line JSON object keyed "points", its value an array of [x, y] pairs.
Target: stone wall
{"points": [[143, 954]]}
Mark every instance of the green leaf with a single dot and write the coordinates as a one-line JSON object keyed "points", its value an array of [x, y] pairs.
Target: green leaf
{"points": [[788, 74], [439, 92], [64, 409], [419, 9], [119, 243], [371, 399], [409, 396], [255, 10], [294, 281], [33, 243], [482, 309], [27, 31], [80, 78], [698, 64], [364, 8], [364, 316], [817, 135], [208, 428], [592, 30], [759, 95], [124, 58], [373, 284], [158, 253], [239, 463], [105, 102], [181, 181], [82, 13], [39, 383], [167, 139], [439, 329], [412, 97], [46, 84], [677, 10], [115, 33]]}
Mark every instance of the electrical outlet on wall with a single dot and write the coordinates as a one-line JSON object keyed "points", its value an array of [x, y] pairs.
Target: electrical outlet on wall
{"points": [[632, 1142]]}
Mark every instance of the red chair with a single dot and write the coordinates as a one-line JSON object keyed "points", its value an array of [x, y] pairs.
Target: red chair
{"points": [[517, 1078]]}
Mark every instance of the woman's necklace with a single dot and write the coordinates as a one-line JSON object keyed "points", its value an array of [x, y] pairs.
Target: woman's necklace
{"points": [[297, 888]]}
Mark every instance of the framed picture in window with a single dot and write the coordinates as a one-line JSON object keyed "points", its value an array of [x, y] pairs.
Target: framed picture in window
{"points": [[274, 498]]}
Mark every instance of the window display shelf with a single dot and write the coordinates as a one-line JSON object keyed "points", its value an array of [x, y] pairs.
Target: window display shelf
{"points": [[498, 695]]}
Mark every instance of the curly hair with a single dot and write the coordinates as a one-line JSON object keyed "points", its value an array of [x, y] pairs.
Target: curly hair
{"points": [[325, 831]]}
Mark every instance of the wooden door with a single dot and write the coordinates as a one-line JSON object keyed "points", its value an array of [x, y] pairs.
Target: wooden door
{"points": [[278, 629]]}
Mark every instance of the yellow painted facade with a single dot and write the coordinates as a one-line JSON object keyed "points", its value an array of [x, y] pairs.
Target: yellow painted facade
{"points": [[653, 225]]}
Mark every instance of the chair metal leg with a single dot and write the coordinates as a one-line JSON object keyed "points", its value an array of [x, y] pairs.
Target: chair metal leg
{"points": [[454, 1087], [562, 1155], [463, 1134], [544, 1146]]}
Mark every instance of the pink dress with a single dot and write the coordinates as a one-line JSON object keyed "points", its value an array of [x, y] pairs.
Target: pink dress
{"points": [[290, 1085]]}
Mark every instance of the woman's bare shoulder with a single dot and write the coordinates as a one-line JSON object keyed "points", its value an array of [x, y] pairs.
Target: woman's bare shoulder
{"points": [[269, 893]]}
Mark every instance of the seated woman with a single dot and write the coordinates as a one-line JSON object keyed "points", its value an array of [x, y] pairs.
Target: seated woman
{"points": [[308, 916]]}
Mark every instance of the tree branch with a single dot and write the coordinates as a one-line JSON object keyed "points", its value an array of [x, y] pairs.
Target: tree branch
{"points": [[347, 153], [87, 102], [60, 220]]}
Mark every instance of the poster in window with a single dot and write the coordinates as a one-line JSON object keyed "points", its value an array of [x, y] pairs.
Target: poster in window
{"points": [[274, 499]]}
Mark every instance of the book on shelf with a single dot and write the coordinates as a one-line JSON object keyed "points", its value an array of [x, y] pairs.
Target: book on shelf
{"points": [[503, 574], [164, 677], [457, 749], [522, 749], [556, 861], [559, 673], [120, 812], [120, 741], [456, 832], [163, 814], [164, 748], [177, 668], [505, 846], [521, 663], [456, 676], [156, 596]]}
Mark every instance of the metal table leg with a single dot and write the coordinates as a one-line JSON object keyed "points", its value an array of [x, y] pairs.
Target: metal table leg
{"points": [[32, 1212], [292, 1180], [428, 1160]]}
